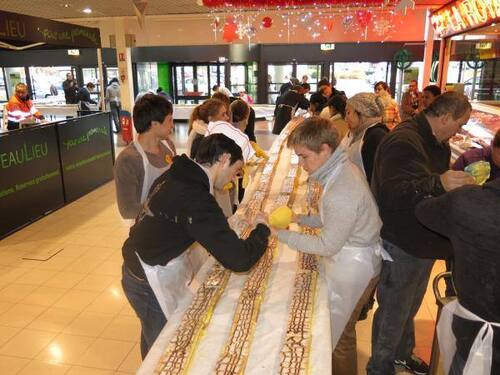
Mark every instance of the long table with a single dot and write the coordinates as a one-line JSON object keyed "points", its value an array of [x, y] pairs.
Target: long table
{"points": [[270, 328]]}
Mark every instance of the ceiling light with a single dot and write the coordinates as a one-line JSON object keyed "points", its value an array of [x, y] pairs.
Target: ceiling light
{"points": [[87, 10]]}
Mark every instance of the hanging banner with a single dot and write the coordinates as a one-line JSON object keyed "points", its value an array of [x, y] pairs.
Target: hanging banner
{"points": [[462, 15], [20, 29]]}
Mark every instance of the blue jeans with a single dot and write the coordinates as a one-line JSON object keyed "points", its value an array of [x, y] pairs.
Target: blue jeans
{"points": [[146, 306], [400, 292]]}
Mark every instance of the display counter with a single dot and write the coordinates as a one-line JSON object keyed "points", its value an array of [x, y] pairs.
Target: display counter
{"points": [[272, 320], [484, 122], [42, 167]]}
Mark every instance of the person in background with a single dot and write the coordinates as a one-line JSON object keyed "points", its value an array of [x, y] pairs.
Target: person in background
{"points": [[288, 85], [334, 90], [306, 87], [291, 100], [411, 164], [319, 99], [364, 113], [224, 90], [20, 108], [349, 242], [245, 97], [209, 110], [179, 211], [70, 88], [469, 217], [335, 112], [411, 103], [114, 102], [305, 78], [429, 93], [53, 90], [83, 97], [159, 91], [391, 115], [491, 154], [145, 159]]}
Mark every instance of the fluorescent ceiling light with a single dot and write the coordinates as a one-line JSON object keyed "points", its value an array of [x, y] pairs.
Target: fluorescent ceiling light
{"points": [[87, 10]]}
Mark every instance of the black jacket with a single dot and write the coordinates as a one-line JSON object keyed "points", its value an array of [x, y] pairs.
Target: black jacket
{"points": [[371, 141], [470, 218], [83, 96], [288, 103], [182, 211], [70, 88], [408, 163]]}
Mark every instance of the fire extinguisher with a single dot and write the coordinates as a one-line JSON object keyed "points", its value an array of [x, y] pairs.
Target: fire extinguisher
{"points": [[126, 125]]}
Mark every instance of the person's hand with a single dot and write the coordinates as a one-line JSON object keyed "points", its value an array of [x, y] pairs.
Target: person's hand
{"points": [[455, 179]]}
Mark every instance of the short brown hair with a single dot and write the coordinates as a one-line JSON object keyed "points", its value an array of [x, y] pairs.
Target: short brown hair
{"points": [[312, 133], [240, 110], [452, 103]]}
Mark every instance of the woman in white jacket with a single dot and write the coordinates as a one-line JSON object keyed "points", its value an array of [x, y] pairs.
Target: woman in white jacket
{"points": [[348, 243], [209, 110]]}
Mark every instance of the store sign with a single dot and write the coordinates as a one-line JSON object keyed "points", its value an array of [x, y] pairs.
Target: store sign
{"points": [[463, 15], [21, 28], [30, 176], [327, 47]]}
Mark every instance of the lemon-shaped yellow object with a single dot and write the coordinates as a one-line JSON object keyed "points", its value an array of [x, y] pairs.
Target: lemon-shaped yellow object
{"points": [[228, 186], [246, 178], [480, 170], [281, 217], [259, 151]]}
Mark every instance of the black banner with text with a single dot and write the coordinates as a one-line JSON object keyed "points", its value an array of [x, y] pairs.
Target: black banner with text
{"points": [[30, 176], [86, 150]]}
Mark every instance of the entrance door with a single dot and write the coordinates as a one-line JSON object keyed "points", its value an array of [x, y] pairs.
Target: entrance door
{"points": [[193, 82]]}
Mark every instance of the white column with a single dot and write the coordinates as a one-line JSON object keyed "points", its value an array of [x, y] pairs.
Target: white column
{"points": [[101, 79], [124, 60], [424, 78]]}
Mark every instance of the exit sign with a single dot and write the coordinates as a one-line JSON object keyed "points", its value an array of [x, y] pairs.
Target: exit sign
{"points": [[327, 47]]}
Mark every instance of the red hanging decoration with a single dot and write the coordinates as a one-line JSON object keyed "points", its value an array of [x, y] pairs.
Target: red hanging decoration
{"points": [[267, 22], [364, 18], [286, 3], [229, 30]]}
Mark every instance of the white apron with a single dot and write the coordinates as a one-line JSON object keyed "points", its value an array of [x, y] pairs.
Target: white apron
{"points": [[348, 274], [171, 282], [354, 150], [481, 352]]}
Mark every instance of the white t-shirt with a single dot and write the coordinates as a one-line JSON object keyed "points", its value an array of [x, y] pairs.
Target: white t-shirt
{"points": [[241, 139]]}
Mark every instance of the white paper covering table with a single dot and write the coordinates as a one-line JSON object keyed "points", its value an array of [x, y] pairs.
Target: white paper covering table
{"points": [[267, 343]]}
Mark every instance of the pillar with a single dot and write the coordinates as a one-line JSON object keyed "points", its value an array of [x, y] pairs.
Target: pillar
{"points": [[424, 79], [124, 59]]}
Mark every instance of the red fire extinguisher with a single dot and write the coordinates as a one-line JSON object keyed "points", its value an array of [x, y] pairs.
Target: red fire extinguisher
{"points": [[126, 125]]}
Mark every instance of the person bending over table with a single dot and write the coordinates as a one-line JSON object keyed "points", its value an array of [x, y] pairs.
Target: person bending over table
{"points": [[348, 243], [145, 159], [179, 211]]}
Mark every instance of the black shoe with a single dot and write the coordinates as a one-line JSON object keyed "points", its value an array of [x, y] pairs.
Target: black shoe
{"points": [[413, 364]]}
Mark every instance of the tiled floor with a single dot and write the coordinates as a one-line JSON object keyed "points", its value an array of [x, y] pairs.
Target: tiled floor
{"points": [[68, 315]]}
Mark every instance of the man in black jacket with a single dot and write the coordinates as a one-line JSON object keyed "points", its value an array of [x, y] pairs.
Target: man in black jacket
{"points": [[83, 97], [287, 106], [179, 211], [411, 163], [470, 218], [70, 88]]}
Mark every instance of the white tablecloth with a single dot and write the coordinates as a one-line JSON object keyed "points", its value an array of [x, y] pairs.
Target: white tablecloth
{"points": [[183, 111], [273, 318]]}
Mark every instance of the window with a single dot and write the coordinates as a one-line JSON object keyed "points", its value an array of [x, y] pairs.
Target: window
{"points": [[3, 89], [13, 76], [356, 77], [277, 75], [147, 77], [47, 82]]}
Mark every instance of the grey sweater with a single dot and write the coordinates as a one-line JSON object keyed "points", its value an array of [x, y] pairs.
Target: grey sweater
{"points": [[129, 177], [350, 214]]}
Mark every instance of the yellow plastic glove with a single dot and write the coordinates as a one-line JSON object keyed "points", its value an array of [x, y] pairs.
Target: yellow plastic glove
{"points": [[246, 177], [259, 151], [480, 170], [281, 217], [228, 186]]}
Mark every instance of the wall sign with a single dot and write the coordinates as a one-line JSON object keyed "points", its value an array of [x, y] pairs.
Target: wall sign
{"points": [[463, 15]]}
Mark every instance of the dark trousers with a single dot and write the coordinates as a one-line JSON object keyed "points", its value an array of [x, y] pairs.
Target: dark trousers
{"points": [[146, 306], [400, 292], [115, 114]]}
